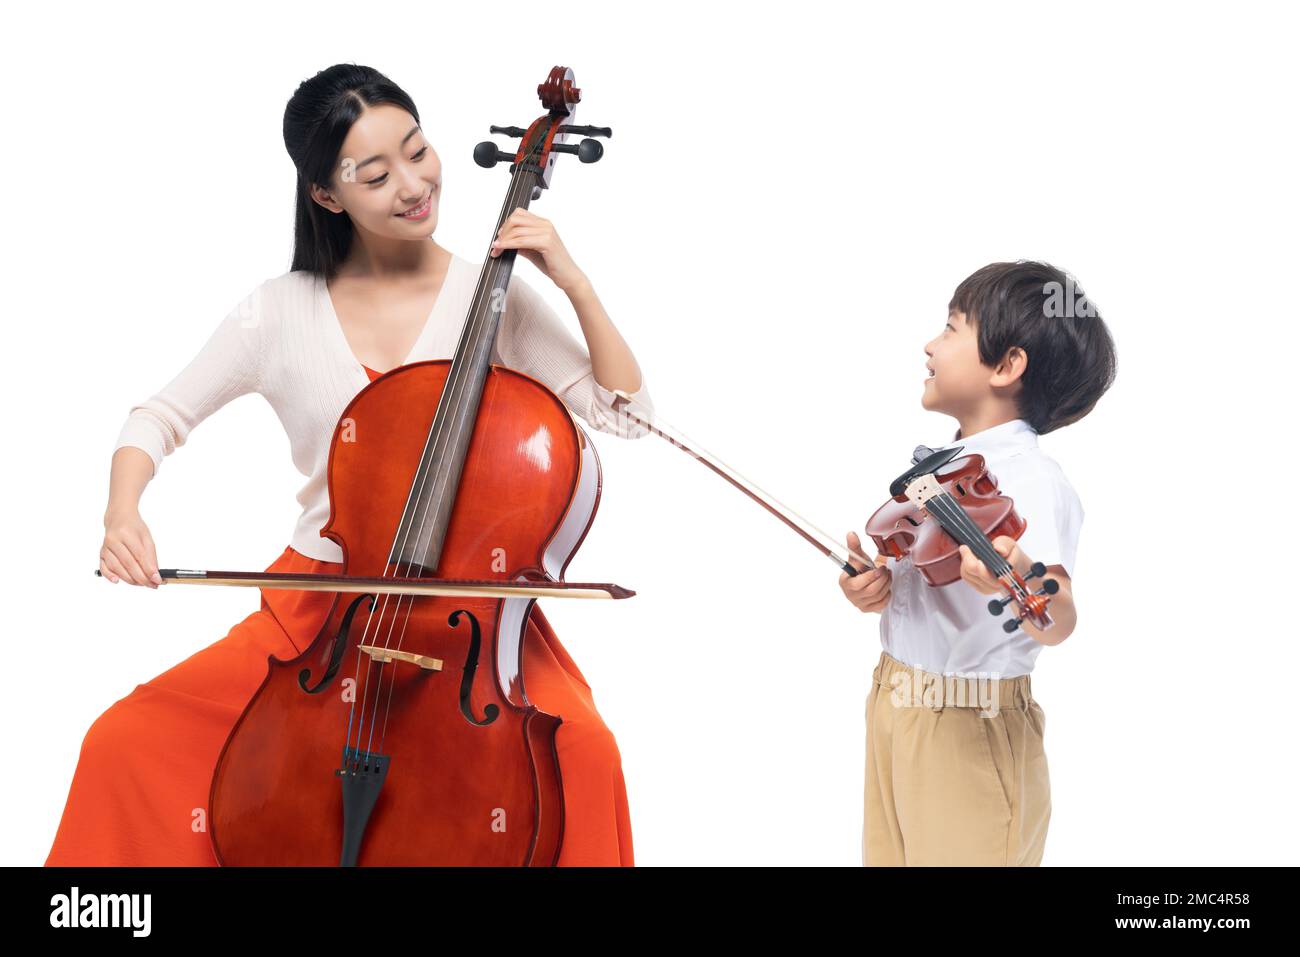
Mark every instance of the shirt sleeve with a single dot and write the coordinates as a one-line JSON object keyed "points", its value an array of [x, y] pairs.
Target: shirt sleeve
{"points": [[532, 340], [227, 366], [1053, 516]]}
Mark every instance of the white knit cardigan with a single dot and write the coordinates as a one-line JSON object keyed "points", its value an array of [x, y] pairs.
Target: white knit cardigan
{"points": [[284, 341]]}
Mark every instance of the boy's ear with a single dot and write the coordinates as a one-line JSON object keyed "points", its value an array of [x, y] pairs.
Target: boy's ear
{"points": [[1011, 368]]}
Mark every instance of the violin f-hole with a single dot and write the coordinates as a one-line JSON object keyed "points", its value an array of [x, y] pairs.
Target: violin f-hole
{"points": [[490, 711], [336, 650]]}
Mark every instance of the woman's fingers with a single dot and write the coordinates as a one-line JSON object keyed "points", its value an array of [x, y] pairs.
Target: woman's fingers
{"points": [[110, 569], [127, 560], [150, 557], [512, 238]]}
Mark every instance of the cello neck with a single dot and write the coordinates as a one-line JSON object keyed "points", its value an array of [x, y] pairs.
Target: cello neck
{"points": [[423, 528]]}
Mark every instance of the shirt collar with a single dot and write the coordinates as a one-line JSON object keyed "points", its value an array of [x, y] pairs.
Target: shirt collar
{"points": [[999, 441]]}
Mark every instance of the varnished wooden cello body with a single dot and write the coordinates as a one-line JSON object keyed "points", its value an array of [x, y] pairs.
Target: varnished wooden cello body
{"points": [[404, 735]]}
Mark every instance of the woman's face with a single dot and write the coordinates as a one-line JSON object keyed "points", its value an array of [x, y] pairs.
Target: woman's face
{"points": [[386, 168]]}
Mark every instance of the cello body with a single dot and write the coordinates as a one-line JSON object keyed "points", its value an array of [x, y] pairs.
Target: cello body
{"points": [[446, 762]]}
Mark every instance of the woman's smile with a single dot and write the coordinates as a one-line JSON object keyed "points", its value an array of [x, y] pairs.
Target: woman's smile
{"points": [[421, 211]]}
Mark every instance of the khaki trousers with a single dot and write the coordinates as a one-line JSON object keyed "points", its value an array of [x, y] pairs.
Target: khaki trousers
{"points": [[956, 773]]}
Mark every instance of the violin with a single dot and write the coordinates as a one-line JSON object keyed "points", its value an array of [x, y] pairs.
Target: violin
{"points": [[899, 528], [967, 508], [404, 735]]}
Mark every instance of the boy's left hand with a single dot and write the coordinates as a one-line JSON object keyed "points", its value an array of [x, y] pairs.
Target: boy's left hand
{"points": [[540, 244], [975, 573]]}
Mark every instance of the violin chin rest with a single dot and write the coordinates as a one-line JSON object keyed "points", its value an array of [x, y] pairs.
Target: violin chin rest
{"points": [[930, 463]]}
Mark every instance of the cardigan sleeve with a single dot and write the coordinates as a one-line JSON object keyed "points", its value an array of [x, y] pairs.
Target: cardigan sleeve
{"points": [[532, 340], [227, 366]]}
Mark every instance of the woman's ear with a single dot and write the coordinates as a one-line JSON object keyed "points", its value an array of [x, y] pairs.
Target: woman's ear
{"points": [[323, 198]]}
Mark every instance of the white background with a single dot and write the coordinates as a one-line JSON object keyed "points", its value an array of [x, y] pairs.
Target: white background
{"points": [[790, 195]]}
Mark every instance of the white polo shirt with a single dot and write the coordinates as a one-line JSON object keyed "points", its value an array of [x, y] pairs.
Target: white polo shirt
{"points": [[948, 629]]}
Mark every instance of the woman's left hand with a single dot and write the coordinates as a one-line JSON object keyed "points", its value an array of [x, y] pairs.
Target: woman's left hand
{"points": [[538, 241], [975, 573]]}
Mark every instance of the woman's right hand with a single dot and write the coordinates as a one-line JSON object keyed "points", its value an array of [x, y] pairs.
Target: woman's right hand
{"points": [[128, 551], [868, 590]]}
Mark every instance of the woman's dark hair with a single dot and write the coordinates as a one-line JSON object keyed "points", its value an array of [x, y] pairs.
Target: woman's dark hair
{"points": [[1041, 309], [316, 121]]}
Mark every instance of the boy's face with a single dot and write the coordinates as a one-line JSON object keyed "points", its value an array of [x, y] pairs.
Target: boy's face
{"points": [[959, 381]]}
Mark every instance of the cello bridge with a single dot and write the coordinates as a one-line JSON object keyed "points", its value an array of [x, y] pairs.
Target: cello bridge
{"points": [[383, 655]]}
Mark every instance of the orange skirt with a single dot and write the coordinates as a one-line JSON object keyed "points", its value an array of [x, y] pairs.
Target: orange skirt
{"points": [[139, 795]]}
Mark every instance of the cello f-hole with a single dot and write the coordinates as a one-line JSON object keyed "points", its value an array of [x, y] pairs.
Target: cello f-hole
{"points": [[336, 650], [491, 711]]}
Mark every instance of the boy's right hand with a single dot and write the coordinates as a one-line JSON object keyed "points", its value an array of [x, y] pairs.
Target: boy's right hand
{"points": [[128, 551], [869, 590]]}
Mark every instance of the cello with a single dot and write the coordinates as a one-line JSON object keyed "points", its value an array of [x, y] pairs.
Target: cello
{"points": [[403, 735]]}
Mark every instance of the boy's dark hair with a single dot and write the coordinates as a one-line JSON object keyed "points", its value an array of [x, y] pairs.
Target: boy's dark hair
{"points": [[1042, 310]]}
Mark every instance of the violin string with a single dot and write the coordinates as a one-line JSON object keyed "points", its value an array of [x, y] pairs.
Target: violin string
{"points": [[453, 392], [958, 523], [979, 543]]}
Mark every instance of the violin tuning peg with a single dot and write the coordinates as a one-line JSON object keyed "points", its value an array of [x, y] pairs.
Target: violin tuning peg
{"points": [[1050, 587], [508, 130], [1011, 625], [1036, 570], [997, 604]]}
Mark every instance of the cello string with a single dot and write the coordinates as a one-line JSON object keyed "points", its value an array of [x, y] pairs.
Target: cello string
{"points": [[480, 318], [441, 437], [455, 388], [376, 616]]}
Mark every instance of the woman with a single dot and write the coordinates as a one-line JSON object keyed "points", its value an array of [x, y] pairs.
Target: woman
{"points": [[369, 290]]}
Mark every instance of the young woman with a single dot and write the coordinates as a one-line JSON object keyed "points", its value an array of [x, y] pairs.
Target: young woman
{"points": [[369, 290]]}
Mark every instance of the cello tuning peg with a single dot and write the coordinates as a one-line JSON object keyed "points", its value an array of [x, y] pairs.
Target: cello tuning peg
{"points": [[588, 151], [487, 155], [604, 131], [508, 130]]}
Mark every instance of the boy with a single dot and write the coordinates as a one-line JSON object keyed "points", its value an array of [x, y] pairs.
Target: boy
{"points": [[955, 768]]}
